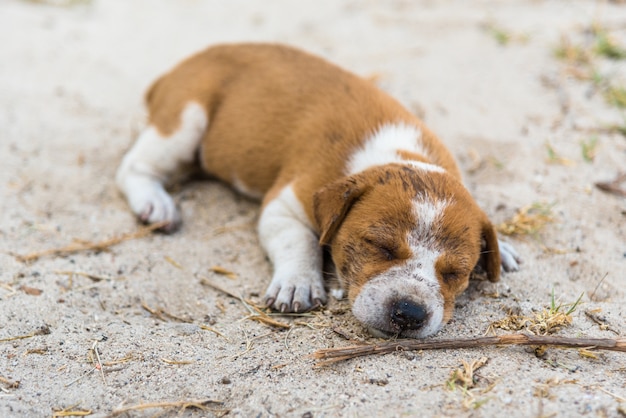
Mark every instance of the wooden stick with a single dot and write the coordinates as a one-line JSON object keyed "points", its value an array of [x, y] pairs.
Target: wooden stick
{"points": [[86, 246], [332, 355], [200, 404]]}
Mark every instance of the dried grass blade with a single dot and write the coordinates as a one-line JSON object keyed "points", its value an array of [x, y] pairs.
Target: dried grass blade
{"points": [[269, 321], [201, 404], [206, 282], [89, 246], [223, 271], [41, 331], [72, 413]]}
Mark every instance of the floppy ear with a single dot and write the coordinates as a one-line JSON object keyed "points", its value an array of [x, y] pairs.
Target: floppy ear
{"points": [[332, 203], [490, 253]]}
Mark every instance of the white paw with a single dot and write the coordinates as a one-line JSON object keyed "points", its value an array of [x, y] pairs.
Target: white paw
{"points": [[152, 204], [509, 258], [295, 292], [338, 293]]}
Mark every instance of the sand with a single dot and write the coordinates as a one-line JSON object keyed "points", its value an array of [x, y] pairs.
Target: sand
{"points": [[483, 75]]}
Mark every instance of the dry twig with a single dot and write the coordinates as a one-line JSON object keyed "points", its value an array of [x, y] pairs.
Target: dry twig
{"points": [[88, 372], [41, 331], [333, 355], [128, 357], [465, 379], [213, 330], [176, 362], [40, 351], [613, 186], [32, 291], [91, 276], [256, 314], [9, 383], [465, 374], [595, 316], [206, 282], [619, 398], [163, 315], [201, 404], [266, 319], [8, 288], [69, 412], [174, 262], [80, 245], [97, 362], [223, 272]]}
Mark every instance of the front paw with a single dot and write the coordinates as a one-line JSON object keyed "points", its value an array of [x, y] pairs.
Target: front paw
{"points": [[295, 292], [154, 205], [509, 258]]}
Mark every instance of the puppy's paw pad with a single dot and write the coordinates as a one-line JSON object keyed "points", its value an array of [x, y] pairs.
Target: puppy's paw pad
{"points": [[296, 294], [509, 258]]}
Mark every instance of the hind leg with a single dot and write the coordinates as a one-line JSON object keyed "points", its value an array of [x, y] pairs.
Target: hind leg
{"points": [[154, 161]]}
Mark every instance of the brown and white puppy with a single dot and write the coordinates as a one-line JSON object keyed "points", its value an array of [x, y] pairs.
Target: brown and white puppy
{"points": [[337, 163]]}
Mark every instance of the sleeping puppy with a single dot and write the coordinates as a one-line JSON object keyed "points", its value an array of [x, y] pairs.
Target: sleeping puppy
{"points": [[337, 163]]}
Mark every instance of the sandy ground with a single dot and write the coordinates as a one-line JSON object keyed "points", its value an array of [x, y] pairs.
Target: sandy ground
{"points": [[71, 84]]}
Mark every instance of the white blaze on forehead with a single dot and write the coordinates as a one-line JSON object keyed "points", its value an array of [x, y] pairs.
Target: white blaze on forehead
{"points": [[428, 215], [424, 166], [421, 239], [382, 148]]}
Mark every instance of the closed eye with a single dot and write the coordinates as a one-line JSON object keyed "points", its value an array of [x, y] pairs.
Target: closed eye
{"points": [[450, 276], [453, 269], [386, 251]]}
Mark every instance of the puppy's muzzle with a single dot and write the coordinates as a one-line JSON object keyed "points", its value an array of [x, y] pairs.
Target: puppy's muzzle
{"points": [[400, 303]]}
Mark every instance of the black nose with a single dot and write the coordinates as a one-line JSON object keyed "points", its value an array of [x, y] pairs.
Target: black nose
{"points": [[407, 315]]}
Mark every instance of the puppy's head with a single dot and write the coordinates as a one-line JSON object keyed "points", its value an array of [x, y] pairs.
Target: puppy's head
{"points": [[404, 241]]}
